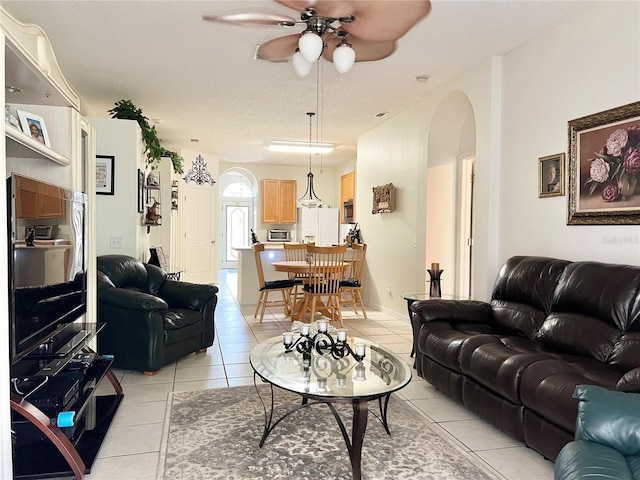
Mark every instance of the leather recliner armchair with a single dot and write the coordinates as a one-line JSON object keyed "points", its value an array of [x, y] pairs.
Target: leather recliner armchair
{"points": [[150, 320], [607, 439]]}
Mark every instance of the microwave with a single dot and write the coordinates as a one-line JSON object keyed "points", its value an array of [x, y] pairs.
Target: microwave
{"points": [[278, 235]]}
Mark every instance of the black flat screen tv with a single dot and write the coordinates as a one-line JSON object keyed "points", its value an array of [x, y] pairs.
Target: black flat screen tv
{"points": [[47, 263]]}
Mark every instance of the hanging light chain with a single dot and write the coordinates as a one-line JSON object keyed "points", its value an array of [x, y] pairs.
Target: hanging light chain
{"points": [[320, 106], [311, 114]]}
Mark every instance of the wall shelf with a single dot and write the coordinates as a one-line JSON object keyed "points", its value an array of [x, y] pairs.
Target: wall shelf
{"points": [[20, 145], [153, 202]]}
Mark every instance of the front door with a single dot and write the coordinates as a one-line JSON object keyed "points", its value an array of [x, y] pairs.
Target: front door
{"points": [[237, 223]]}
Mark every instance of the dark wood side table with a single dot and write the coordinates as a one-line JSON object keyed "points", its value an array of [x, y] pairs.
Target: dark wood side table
{"points": [[173, 273]]}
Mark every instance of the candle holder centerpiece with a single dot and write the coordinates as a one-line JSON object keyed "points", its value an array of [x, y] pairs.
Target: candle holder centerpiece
{"points": [[322, 343], [435, 273]]}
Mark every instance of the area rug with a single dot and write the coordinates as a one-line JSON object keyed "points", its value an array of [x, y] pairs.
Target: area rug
{"points": [[214, 434]]}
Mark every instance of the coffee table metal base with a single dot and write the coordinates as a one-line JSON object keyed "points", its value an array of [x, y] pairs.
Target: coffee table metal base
{"points": [[359, 427]]}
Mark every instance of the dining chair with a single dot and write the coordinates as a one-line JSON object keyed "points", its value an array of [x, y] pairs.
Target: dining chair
{"points": [[351, 287], [296, 252], [326, 269], [282, 286]]}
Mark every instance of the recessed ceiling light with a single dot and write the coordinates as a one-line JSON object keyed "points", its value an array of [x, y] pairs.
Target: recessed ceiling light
{"points": [[300, 147], [422, 78]]}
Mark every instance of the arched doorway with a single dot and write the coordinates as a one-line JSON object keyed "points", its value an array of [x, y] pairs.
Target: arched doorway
{"points": [[238, 189], [450, 176]]}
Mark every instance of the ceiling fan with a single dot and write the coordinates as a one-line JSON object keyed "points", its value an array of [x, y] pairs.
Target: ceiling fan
{"points": [[342, 32]]}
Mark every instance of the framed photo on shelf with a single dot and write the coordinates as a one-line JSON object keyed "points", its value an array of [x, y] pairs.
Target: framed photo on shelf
{"points": [[604, 168], [33, 126], [105, 174], [157, 257], [551, 175], [140, 191]]}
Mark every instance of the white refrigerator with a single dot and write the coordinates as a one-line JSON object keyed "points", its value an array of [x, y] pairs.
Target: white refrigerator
{"points": [[319, 225]]}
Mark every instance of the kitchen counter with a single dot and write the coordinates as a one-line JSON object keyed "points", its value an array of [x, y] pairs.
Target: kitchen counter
{"points": [[267, 246], [248, 287]]}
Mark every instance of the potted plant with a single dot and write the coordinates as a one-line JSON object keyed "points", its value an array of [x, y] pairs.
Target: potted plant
{"points": [[126, 110]]}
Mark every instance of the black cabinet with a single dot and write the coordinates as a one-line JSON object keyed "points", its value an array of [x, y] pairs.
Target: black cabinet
{"points": [[58, 420]]}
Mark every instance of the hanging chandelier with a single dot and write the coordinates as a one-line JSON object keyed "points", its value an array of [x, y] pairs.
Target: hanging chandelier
{"points": [[310, 199]]}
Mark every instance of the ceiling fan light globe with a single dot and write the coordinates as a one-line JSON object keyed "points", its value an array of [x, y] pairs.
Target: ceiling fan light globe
{"points": [[343, 58], [300, 64], [310, 46]]}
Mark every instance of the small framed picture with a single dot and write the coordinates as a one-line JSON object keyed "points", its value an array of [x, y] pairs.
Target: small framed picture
{"points": [[157, 257], [105, 174], [33, 126], [140, 191], [551, 175]]}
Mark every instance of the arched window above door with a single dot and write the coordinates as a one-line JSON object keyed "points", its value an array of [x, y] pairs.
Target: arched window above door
{"points": [[238, 189]]}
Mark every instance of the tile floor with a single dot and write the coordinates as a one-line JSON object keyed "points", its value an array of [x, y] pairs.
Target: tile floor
{"points": [[131, 448]]}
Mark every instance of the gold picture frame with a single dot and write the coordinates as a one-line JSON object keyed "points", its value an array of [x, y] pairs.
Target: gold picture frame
{"points": [[551, 175], [604, 168]]}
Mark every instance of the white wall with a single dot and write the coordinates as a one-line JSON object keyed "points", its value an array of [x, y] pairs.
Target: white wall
{"points": [[565, 75], [521, 104], [117, 214], [389, 154]]}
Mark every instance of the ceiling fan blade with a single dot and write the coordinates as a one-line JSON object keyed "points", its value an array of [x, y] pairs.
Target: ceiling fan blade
{"points": [[375, 20], [252, 19], [279, 49], [366, 51]]}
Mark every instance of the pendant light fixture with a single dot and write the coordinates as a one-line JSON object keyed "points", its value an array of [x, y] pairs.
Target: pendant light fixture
{"points": [[310, 199]]}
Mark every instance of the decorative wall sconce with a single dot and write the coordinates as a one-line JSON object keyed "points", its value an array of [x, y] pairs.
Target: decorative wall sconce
{"points": [[384, 198], [199, 173]]}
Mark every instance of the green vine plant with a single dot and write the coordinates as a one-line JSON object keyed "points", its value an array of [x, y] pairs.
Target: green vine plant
{"points": [[126, 110]]}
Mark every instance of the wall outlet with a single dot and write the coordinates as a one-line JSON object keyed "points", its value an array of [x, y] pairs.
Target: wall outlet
{"points": [[115, 242], [389, 289]]}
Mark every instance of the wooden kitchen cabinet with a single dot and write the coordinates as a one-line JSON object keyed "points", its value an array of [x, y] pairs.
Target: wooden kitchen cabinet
{"points": [[347, 193], [279, 201], [36, 199]]}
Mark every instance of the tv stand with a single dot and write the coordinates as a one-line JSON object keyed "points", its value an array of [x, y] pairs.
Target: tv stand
{"points": [[65, 446]]}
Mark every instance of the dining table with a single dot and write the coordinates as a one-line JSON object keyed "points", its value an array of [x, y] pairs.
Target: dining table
{"points": [[301, 267]]}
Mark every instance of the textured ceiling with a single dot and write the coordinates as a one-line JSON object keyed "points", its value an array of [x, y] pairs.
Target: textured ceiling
{"points": [[199, 79]]}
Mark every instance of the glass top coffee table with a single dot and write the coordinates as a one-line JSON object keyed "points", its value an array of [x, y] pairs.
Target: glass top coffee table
{"points": [[318, 377]]}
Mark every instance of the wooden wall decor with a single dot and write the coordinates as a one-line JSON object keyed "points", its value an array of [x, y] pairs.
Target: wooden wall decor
{"points": [[384, 198]]}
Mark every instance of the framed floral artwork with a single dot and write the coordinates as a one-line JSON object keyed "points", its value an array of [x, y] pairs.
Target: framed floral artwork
{"points": [[604, 167], [551, 175]]}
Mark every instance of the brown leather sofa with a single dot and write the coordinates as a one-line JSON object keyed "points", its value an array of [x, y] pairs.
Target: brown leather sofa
{"points": [[516, 360]]}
